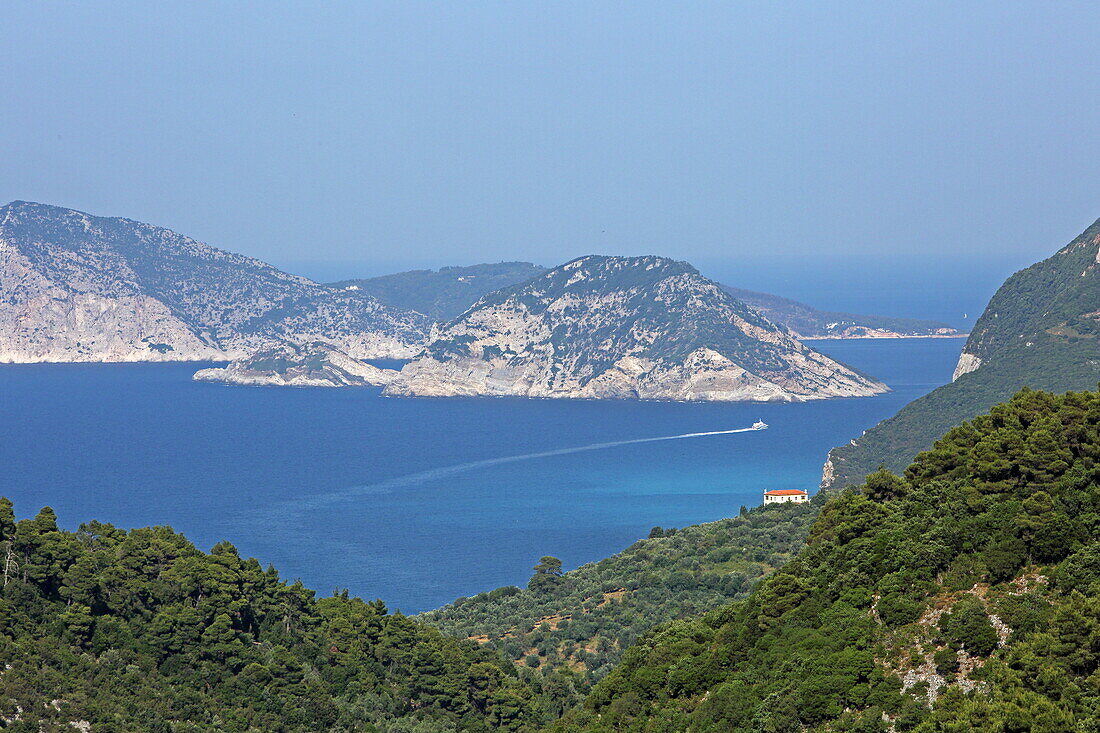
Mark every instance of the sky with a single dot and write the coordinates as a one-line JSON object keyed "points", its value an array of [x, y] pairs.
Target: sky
{"points": [[830, 151]]}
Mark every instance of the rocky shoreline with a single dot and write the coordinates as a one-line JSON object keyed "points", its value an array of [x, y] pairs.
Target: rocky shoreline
{"points": [[292, 365]]}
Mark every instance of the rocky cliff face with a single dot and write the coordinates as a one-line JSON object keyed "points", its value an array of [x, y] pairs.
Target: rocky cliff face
{"points": [[299, 365], [623, 327], [75, 287], [1040, 330]]}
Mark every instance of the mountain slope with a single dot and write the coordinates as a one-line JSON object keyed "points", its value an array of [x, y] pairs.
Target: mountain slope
{"points": [[805, 321], [584, 619], [978, 572], [1041, 329], [77, 287], [445, 293], [623, 327], [1053, 302], [108, 630]]}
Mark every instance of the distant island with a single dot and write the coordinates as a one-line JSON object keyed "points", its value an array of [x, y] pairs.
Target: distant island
{"points": [[807, 322], [445, 294], [623, 327], [100, 289], [95, 289], [595, 328]]}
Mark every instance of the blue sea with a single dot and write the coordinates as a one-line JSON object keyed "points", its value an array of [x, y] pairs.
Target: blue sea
{"points": [[414, 501]]}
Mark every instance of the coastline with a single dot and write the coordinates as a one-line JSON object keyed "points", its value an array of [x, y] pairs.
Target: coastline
{"points": [[884, 337]]}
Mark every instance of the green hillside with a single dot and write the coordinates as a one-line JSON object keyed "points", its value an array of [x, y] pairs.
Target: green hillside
{"points": [[139, 630], [1056, 301], [445, 293], [963, 596], [582, 620], [1041, 330]]}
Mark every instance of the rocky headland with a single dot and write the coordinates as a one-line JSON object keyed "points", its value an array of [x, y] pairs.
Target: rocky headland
{"points": [[623, 328], [299, 365]]}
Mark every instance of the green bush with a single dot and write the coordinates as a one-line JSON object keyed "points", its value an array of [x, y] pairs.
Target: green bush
{"points": [[902, 598], [1080, 570], [1024, 613], [946, 661], [968, 626], [964, 572], [1004, 558]]}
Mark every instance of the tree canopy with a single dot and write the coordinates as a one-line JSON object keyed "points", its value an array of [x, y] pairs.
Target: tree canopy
{"points": [[140, 630], [964, 594]]}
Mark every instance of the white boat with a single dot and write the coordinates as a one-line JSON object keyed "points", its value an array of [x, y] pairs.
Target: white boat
{"points": [[759, 425]]}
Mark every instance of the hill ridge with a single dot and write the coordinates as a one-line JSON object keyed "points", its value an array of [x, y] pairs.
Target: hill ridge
{"points": [[604, 326], [85, 288]]}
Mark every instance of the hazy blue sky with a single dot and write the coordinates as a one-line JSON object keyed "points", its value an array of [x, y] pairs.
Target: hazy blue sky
{"points": [[741, 136]]}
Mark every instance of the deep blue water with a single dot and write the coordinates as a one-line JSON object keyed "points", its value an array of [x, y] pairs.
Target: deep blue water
{"points": [[345, 488]]}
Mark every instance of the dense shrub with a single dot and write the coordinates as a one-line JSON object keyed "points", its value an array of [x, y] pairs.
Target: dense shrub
{"points": [[946, 660], [1080, 570], [968, 626]]}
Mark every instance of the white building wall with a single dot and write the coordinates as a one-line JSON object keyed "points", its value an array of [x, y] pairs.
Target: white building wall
{"points": [[788, 498]]}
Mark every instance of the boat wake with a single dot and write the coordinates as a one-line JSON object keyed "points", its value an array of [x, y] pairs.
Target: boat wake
{"points": [[434, 474]]}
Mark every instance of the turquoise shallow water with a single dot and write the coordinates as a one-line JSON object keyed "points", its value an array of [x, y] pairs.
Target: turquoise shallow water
{"points": [[346, 488]]}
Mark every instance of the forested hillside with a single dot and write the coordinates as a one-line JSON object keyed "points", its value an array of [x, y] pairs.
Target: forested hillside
{"points": [[1040, 330], [582, 620], [962, 596], [444, 293], [139, 630]]}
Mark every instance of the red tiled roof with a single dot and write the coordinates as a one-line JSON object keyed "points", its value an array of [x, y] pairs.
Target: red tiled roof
{"points": [[785, 492]]}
